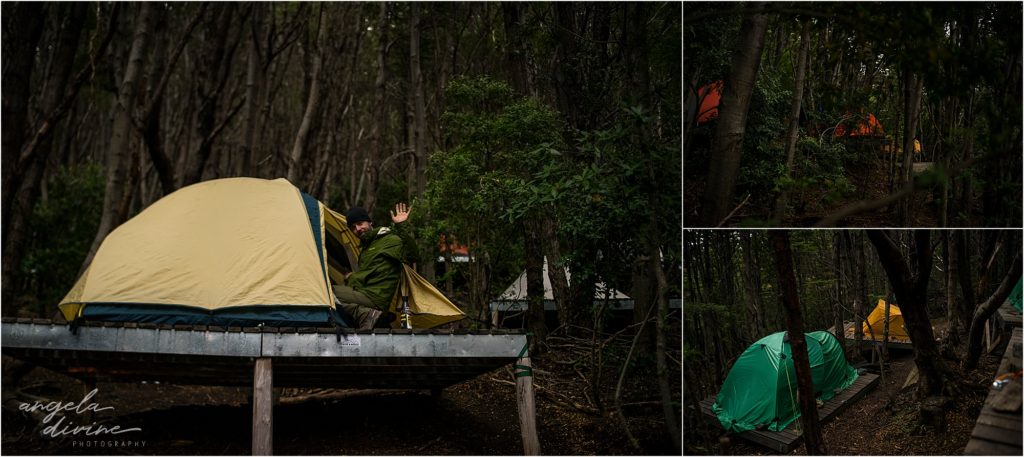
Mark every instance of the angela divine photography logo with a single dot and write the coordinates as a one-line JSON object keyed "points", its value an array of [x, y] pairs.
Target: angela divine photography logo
{"points": [[66, 420]]}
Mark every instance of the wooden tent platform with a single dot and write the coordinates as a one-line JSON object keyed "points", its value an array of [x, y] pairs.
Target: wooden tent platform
{"points": [[1008, 316], [788, 439], [265, 357], [1000, 325], [894, 343], [999, 432]]}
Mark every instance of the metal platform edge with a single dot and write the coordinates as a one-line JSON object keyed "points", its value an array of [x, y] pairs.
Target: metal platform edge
{"points": [[260, 342]]}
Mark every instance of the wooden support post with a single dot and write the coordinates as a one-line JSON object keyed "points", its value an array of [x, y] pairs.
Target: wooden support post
{"points": [[527, 408], [263, 408], [494, 317], [988, 336]]}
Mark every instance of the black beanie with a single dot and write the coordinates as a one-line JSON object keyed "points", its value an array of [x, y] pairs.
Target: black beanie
{"points": [[355, 215]]}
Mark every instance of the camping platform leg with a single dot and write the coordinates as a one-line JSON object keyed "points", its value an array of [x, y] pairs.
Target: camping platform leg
{"points": [[988, 337], [527, 407], [263, 408]]}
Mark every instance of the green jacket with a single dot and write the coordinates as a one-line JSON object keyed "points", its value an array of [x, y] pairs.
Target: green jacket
{"points": [[380, 263]]}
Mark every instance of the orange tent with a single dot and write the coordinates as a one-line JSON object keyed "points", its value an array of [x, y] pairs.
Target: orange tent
{"points": [[866, 127], [710, 96], [874, 327]]}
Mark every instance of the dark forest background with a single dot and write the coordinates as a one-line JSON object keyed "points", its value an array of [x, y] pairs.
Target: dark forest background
{"points": [[520, 130], [795, 74], [947, 283]]}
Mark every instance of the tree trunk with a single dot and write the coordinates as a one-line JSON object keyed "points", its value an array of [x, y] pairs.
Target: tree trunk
{"points": [[752, 280], [295, 160], [912, 106], [861, 301], [956, 319], [419, 128], [732, 118], [16, 217], [151, 116], [910, 289], [157, 80], [654, 254], [794, 118], [568, 90], [515, 52], [535, 286], [797, 342], [211, 76], [254, 82], [380, 120], [122, 129], [986, 309], [842, 253], [963, 255], [885, 330], [643, 293], [23, 26], [567, 309]]}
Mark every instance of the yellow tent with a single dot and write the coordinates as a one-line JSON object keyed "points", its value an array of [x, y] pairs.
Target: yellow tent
{"points": [[235, 251], [427, 306], [876, 331]]}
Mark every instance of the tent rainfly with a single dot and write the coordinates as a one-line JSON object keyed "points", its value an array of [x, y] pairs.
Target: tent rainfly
{"points": [[760, 390], [233, 252], [876, 330], [860, 126], [514, 297], [710, 96]]}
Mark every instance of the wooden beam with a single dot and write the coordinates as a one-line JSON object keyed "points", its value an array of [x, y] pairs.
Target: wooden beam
{"points": [[527, 407], [263, 408]]}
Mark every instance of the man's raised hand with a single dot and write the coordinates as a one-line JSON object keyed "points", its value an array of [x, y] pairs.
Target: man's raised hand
{"points": [[401, 213]]}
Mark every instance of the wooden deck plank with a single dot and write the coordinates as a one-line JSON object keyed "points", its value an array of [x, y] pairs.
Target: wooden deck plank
{"points": [[868, 343], [1009, 315], [983, 447], [789, 438], [998, 433], [1000, 421]]}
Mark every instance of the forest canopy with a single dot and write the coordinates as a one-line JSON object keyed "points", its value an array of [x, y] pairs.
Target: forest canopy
{"points": [[856, 114], [505, 125]]}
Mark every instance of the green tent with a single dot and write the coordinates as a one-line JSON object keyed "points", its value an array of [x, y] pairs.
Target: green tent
{"points": [[761, 388], [1015, 296]]}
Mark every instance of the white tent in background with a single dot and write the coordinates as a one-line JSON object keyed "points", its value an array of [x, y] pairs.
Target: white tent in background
{"points": [[514, 297]]}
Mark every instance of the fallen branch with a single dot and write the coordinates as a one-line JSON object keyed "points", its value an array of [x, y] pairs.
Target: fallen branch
{"points": [[625, 366], [557, 399], [865, 206], [912, 187], [334, 395], [737, 208]]}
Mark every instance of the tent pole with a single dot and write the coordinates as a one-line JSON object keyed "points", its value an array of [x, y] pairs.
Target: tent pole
{"points": [[263, 408]]}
